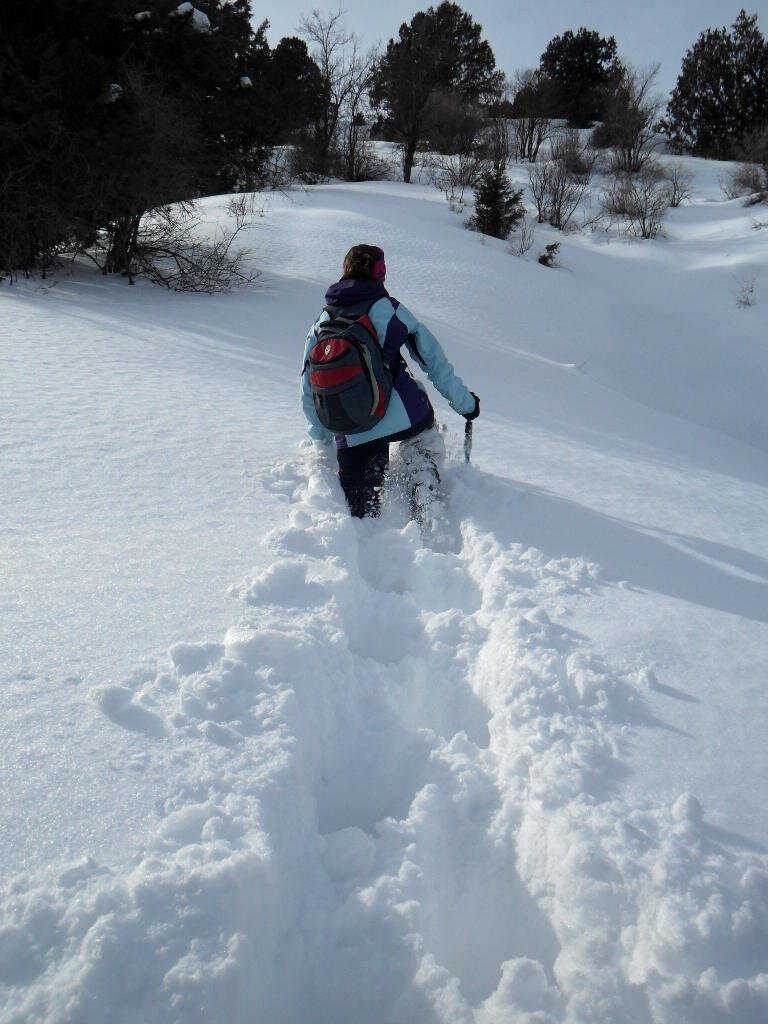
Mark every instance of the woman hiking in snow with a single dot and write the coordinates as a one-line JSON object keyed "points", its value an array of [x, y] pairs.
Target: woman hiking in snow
{"points": [[353, 355]]}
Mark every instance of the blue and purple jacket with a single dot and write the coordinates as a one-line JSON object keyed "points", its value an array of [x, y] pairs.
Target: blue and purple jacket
{"points": [[409, 410]]}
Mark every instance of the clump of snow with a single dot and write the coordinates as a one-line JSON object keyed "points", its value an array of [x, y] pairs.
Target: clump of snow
{"points": [[200, 21], [245, 82]]}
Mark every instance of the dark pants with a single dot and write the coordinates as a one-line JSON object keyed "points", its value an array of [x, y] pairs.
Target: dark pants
{"points": [[361, 475]]}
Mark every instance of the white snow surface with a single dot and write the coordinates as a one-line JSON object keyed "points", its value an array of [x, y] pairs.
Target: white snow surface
{"points": [[262, 762]]}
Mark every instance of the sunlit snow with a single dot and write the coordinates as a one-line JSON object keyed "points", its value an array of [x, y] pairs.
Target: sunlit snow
{"points": [[261, 762]]}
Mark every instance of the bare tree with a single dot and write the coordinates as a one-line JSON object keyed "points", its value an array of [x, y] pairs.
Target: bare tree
{"points": [[498, 141], [356, 158], [631, 113], [344, 73], [532, 124]]}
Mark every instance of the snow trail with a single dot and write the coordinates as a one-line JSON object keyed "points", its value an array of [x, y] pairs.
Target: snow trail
{"points": [[393, 794]]}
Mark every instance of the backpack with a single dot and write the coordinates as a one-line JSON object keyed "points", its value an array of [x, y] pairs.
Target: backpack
{"points": [[350, 379]]}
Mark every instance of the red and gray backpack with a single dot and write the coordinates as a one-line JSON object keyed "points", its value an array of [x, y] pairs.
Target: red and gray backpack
{"points": [[350, 379]]}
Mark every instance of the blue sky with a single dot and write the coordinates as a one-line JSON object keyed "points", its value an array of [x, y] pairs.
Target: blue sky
{"points": [[647, 31]]}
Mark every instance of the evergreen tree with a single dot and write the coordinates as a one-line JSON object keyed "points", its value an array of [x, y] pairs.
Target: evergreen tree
{"points": [[583, 67], [721, 93], [55, 76], [296, 79], [440, 50], [498, 205], [107, 112]]}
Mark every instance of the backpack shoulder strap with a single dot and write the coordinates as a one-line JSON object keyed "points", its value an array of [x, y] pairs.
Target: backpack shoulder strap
{"points": [[353, 314]]}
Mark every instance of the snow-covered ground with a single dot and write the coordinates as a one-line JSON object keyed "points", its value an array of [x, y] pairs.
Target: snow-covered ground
{"points": [[264, 763]]}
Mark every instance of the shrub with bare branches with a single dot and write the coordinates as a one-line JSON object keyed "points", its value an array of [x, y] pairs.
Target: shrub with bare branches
{"points": [[523, 242], [452, 175], [578, 157], [745, 182], [557, 192], [630, 115], [169, 247], [680, 183], [641, 200]]}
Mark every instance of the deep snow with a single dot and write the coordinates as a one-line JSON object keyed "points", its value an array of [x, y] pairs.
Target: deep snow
{"points": [[264, 763]]}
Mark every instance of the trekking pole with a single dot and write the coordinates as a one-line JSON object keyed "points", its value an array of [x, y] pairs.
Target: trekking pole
{"points": [[467, 440]]}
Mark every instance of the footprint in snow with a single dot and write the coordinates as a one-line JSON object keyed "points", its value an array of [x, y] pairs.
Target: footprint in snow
{"points": [[118, 704]]}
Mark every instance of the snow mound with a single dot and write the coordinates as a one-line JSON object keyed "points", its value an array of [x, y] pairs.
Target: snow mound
{"points": [[393, 794]]}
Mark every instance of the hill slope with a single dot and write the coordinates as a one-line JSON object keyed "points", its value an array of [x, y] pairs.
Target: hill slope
{"points": [[514, 777]]}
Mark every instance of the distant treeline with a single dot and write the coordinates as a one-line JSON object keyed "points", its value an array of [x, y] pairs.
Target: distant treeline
{"points": [[113, 108]]}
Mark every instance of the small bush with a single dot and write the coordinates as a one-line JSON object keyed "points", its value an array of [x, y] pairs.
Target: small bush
{"points": [[642, 199], [360, 163], [680, 184], [578, 158], [549, 257], [524, 241], [453, 174], [746, 181], [556, 192], [746, 296]]}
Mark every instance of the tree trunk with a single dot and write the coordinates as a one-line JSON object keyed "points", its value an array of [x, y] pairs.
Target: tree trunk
{"points": [[122, 245], [408, 157]]}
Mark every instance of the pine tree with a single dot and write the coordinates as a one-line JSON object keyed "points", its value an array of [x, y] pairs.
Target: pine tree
{"points": [[721, 93], [498, 205], [107, 112], [440, 49], [582, 66]]}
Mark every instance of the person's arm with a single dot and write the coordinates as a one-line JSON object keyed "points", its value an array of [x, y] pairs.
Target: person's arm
{"points": [[427, 351], [316, 430]]}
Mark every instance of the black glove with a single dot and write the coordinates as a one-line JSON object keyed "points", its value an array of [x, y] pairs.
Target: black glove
{"points": [[475, 412]]}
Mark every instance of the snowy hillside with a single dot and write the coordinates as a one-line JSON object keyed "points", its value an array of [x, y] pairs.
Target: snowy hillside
{"points": [[262, 763]]}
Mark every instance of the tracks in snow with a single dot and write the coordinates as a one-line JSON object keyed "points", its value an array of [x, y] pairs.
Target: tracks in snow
{"points": [[393, 795]]}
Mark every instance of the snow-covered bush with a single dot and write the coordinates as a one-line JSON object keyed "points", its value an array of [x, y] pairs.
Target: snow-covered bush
{"points": [[549, 257]]}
